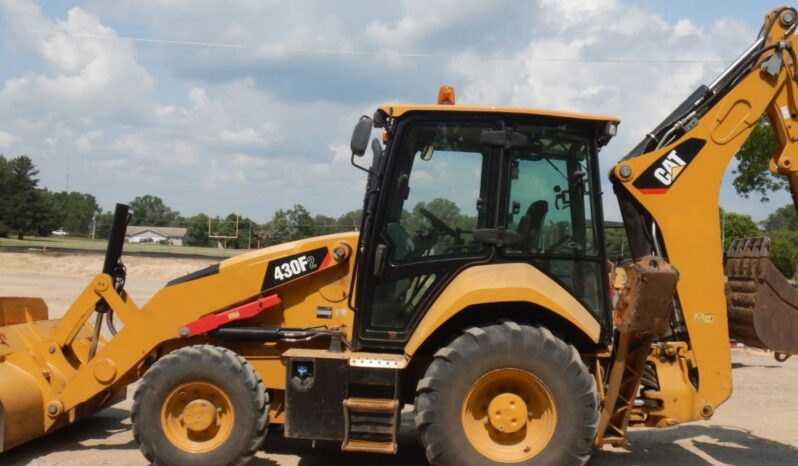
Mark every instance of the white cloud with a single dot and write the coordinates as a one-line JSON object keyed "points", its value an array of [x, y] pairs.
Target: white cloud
{"points": [[247, 136], [85, 143], [226, 128], [90, 70], [6, 139]]}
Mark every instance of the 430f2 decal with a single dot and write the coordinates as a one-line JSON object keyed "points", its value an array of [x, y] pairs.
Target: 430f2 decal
{"points": [[290, 268], [661, 175]]}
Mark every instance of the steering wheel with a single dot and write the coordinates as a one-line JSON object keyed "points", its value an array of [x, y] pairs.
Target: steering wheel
{"points": [[438, 224], [563, 243]]}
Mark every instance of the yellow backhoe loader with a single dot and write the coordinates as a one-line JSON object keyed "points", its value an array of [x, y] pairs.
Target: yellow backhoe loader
{"points": [[476, 288]]}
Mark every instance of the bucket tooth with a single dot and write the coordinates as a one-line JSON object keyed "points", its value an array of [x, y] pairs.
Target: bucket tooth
{"points": [[762, 305]]}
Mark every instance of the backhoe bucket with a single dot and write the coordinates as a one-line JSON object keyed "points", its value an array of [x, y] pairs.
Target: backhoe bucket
{"points": [[762, 305]]}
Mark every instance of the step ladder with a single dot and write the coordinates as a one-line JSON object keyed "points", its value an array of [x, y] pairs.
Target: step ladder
{"points": [[371, 425], [372, 410]]}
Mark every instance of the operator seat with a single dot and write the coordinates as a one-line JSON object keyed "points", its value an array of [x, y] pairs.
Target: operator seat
{"points": [[531, 224]]}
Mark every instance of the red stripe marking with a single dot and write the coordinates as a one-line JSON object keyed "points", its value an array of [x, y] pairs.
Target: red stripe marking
{"points": [[214, 321], [326, 261], [654, 190]]}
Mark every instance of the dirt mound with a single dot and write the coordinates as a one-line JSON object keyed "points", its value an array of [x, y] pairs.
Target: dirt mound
{"points": [[87, 265]]}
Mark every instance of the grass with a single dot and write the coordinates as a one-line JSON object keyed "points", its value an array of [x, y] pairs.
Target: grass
{"points": [[87, 244]]}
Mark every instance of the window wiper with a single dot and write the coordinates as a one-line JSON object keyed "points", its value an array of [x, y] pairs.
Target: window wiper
{"points": [[555, 168]]}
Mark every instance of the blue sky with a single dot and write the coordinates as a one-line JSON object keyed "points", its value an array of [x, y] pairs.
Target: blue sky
{"points": [[247, 106]]}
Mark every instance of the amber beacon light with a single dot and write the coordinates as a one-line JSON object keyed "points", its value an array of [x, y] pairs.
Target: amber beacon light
{"points": [[446, 95]]}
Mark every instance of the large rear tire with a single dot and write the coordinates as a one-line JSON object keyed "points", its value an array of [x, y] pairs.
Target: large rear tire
{"points": [[201, 406], [507, 394]]}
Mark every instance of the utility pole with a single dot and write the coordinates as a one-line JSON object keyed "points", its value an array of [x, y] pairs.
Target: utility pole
{"points": [[723, 231], [93, 224]]}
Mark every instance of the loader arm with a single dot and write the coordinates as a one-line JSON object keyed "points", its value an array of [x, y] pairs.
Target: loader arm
{"points": [[668, 188]]}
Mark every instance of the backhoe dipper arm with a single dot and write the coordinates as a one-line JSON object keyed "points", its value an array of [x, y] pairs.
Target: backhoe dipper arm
{"points": [[668, 188]]}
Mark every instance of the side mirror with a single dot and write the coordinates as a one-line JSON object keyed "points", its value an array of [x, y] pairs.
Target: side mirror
{"points": [[376, 151], [361, 135], [426, 153]]}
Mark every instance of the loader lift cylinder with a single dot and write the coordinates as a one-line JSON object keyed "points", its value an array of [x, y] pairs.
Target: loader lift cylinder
{"points": [[112, 267], [117, 240]]}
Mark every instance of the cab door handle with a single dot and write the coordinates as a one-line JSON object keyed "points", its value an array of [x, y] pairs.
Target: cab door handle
{"points": [[380, 253]]}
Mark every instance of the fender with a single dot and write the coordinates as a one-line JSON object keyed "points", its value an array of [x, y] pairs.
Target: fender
{"points": [[499, 283]]}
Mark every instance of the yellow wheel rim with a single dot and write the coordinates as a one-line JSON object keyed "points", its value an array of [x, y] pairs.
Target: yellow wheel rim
{"points": [[197, 417], [509, 415]]}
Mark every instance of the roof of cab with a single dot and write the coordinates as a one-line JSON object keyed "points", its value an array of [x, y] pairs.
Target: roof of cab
{"points": [[397, 110]]}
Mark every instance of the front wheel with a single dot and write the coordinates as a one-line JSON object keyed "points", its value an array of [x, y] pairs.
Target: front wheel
{"points": [[507, 394], [200, 406]]}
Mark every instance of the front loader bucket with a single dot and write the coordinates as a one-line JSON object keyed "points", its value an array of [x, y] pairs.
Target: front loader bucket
{"points": [[762, 305], [27, 380], [21, 398]]}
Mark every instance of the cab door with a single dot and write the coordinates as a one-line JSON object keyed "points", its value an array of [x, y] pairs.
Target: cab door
{"points": [[440, 186]]}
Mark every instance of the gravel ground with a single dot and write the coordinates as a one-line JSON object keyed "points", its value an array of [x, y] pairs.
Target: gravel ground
{"points": [[755, 427]]}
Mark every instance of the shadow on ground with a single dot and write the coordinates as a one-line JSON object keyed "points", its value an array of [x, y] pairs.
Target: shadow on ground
{"points": [[684, 445], [94, 432], [698, 445], [329, 453]]}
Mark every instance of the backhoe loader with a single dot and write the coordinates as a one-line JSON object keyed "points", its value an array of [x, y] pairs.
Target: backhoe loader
{"points": [[476, 289]]}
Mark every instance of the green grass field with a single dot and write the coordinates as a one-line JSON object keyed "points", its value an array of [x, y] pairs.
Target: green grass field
{"points": [[86, 244]]}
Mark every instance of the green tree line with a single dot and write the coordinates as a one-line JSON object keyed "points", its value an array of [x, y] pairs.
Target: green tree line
{"points": [[27, 209]]}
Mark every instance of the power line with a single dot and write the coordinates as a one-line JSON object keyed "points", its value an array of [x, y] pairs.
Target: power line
{"points": [[367, 53]]}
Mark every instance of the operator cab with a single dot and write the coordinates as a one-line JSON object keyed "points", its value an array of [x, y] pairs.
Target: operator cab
{"points": [[458, 186]]}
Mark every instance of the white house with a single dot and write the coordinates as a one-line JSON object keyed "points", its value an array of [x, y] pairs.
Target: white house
{"points": [[156, 235]]}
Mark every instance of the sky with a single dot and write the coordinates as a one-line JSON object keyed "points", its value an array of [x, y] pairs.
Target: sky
{"points": [[247, 106]]}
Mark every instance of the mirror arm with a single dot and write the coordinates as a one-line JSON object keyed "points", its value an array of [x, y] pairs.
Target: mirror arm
{"points": [[367, 170]]}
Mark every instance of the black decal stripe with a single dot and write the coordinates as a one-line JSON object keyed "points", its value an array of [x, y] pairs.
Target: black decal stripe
{"points": [[207, 271], [313, 262], [649, 184]]}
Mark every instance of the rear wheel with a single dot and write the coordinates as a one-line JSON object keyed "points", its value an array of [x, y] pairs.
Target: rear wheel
{"points": [[507, 394], [200, 405]]}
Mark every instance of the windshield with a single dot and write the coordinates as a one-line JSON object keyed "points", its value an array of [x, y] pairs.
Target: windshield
{"points": [[552, 210], [550, 187]]}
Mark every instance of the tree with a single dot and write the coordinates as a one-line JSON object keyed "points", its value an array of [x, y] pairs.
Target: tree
{"points": [[23, 207], [5, 192], [783, 218], [151, 211], [197, 230], [783, 245], [280, 229], [616, 243], [300, 216], [753, 173], [105, 222], [74, 211], [324, 225], [349, 221], [736, 226]]}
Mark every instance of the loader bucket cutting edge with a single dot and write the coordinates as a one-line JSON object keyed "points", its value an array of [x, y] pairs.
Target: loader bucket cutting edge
{"points": [[24, 325], [762, 305]]}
